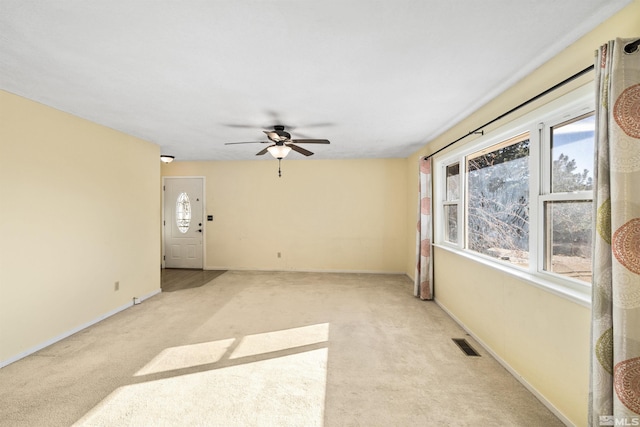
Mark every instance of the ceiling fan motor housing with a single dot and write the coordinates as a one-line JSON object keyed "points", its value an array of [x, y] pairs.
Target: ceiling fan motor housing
{"points": [[281, 132]]}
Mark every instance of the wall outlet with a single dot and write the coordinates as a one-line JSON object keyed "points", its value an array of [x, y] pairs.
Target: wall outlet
{"points": [[116, 286]]}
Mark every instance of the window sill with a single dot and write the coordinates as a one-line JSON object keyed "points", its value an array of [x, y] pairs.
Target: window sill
{"points": [[564, 291]]}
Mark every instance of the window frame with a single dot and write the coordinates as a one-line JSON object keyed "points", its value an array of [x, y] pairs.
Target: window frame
{"points": [[453, 202], [546, 193], [537, 123], [492, 147]]}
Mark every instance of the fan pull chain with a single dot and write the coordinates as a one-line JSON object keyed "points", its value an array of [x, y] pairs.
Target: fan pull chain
{"points": [[279, 172]]}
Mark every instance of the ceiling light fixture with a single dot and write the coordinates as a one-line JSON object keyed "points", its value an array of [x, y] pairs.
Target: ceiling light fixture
{"points": [[279, 152], [166, 159]]}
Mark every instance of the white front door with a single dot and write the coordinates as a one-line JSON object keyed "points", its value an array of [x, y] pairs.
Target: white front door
{"points": [[183, 222]]}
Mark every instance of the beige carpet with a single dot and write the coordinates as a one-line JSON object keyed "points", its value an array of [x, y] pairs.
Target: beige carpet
{"points": [[269, 349]]}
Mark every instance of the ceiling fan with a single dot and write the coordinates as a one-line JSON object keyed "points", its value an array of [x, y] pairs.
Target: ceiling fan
{"points": [[282, 143]]}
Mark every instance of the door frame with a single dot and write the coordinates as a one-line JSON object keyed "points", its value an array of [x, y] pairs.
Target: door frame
{"points": [[204, 218]]}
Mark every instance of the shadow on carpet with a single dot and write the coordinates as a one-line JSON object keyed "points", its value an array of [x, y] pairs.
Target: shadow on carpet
{"points": [[178, 279]]}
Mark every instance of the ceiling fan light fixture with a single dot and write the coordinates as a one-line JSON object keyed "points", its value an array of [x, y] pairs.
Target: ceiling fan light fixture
{"points": [[279, 151], [166, 158]]}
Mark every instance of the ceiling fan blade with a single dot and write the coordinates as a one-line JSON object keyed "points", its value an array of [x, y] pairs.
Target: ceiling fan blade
{"points": [[311, 141], [250, 142], [261, 152], [239, 126], [300, 150], [272, 135]]}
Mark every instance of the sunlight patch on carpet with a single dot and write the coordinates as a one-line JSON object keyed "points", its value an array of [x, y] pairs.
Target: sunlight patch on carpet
{"points": [[269, 388], [286, 390], [186, 356], [267, 342]]}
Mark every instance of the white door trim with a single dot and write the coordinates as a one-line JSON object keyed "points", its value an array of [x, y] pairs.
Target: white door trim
{"points": [[204, 218]]}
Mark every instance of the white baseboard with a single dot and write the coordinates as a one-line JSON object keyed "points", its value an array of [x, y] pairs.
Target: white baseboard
{"points": [[508, 367], [149, 295], [305, 270], [67, 334]]}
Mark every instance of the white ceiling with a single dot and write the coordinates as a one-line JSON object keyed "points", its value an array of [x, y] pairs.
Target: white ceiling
{"points": [[377, 78]]}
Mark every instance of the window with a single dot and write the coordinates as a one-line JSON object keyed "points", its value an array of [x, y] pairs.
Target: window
{"points": [[498, 200], [183, 212], [520, 197], [568, 238], [451, 203], [567, 199]]}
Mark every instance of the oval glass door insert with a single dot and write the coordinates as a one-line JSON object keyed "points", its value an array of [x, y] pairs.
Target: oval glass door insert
{"points": [[183, 212]]}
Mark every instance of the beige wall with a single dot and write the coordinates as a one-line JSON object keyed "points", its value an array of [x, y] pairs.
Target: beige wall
{"points": [[321, 215], [542, 337], [79, 210]]}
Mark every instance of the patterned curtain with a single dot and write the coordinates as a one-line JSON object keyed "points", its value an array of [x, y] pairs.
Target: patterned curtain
{"points": [[615, 362], [424, 274]]}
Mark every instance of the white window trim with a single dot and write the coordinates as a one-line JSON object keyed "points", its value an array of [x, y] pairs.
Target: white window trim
{"points": [[458, 203], [577, 102]]}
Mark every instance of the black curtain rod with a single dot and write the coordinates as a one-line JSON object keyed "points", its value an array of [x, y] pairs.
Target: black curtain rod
{"points": [[527, 102], [632, 47]]}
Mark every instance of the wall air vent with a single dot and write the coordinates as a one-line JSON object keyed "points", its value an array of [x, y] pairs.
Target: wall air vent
{"points": [[465, 347]]}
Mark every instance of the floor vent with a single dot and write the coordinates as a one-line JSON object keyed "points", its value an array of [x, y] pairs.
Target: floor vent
{"points": [[465, 347]]}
